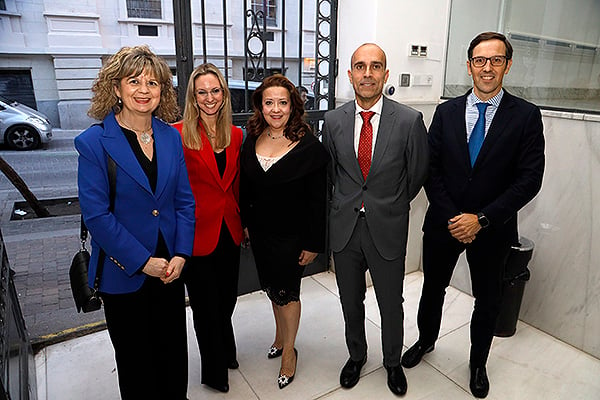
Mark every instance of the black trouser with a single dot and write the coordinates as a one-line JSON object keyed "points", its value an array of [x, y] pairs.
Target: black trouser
{"points": [[212, 284], [148, 332], [486, 257]]}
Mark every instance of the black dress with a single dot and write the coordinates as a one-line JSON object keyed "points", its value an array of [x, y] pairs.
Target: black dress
{"points": [[284, 209]]}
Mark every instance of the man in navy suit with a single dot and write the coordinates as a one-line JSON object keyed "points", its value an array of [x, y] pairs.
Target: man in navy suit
{"points": [[379, 163], [486, 163]]}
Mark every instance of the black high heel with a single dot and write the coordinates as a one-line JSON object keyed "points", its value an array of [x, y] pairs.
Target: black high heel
{"points": [[274, 352], [284, 380]]}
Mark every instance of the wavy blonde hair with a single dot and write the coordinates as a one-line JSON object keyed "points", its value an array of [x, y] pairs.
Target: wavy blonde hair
{"points": [[132, 61], [192, 114]]}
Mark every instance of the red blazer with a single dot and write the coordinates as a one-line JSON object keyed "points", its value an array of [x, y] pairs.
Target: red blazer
{"points": [[217, 198]]}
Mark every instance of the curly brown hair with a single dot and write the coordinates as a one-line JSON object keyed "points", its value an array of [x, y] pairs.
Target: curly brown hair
{"points": [[296, 126], [132, 61]]}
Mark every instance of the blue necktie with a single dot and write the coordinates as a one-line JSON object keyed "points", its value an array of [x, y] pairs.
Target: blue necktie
{"points": [[478, 133]]}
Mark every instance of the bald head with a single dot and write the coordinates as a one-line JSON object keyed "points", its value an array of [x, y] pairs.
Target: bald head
{"points": [[368, 74], [370, 47]]}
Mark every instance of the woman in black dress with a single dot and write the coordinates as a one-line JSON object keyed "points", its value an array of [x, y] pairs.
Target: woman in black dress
{"points": [[283, 200]]}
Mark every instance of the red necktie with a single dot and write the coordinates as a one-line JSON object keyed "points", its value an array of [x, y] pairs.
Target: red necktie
{"points": [[365, 143]]}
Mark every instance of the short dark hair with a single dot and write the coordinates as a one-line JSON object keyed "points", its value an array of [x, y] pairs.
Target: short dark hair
{"points": [[302, 89], [482, 37]]}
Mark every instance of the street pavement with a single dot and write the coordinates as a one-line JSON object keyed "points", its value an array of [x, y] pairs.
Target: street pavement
{"points": [[40, 250]]}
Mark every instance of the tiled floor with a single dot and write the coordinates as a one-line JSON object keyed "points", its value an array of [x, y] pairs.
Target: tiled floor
{"points": [[529, 365]]}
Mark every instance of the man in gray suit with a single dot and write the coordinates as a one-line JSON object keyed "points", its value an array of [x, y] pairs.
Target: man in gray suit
{"points": [[379, 163]]}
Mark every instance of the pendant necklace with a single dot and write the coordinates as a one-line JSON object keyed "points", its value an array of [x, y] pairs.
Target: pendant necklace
{"points": [[210, 135], [274, 137], [145, 137]]}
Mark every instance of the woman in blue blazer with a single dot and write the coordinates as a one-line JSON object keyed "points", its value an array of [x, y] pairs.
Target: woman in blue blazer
{"points": [[149, 233]]}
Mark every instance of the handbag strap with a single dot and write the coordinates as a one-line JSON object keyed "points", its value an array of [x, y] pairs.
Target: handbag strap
{"points": [[112, 190], [83, 233]]}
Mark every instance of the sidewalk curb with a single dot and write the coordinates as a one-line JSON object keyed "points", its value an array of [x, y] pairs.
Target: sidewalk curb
{"points": [[41, 342]]}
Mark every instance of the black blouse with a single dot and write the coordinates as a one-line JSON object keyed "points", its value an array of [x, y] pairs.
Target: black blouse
{"points": [[150, 168], [221, 159]]}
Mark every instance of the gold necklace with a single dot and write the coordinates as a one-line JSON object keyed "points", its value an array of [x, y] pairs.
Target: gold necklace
{"points": [[208, 134], [146, 135], [274, 137]]}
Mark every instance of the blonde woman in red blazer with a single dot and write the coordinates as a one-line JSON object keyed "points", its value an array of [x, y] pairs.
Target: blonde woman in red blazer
{"points": [[211, 147]]}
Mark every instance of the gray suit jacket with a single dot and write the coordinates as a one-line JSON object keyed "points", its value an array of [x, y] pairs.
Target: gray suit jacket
{"points": [[398, 170]]}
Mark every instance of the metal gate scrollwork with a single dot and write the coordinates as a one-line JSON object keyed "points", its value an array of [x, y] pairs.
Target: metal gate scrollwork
{"points": [[255, 45]]}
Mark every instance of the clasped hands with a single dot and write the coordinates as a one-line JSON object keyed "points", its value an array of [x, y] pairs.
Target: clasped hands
{"points": [[464, 227], [167, 271]]}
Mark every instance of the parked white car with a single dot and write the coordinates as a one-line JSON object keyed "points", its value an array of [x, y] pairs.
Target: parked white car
{"points": [[22, 127]]}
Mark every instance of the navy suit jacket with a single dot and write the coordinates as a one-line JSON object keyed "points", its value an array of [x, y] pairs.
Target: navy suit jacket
{"points": [[129, 233], [507, 173]]}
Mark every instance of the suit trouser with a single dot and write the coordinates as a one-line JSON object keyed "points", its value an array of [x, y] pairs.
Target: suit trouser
{"points": [[351, 264], [212, 284], [486, 258], [148, 331]]}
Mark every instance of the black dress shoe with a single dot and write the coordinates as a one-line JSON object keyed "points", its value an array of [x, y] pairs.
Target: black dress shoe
{"points": [[221, 388], [233, 364], [283, 380], [351, 372], [274, 352], [479, 383], [396, 380], [414, 355]]}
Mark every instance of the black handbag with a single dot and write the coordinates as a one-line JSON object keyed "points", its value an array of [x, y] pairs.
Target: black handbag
{"points": [[87, 299]]}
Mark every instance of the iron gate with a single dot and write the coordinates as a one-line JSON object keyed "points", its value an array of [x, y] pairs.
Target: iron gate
{"points": [[264, 21], [266, 26]]}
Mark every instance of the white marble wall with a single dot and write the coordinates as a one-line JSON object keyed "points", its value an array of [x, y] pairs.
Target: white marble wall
{"points": [[563, 296]]}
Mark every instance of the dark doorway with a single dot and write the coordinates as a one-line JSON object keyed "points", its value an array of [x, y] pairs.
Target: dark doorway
{"points": [[17, 85]]}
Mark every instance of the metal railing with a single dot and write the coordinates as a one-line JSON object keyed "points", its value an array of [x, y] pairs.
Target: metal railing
{"points": [[17, 367], [259, 59]]}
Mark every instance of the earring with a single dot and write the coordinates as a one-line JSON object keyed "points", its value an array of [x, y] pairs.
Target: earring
{"points": [[119, 101]]}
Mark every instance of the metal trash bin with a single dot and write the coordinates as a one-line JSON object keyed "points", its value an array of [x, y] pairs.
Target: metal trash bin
{"points": [[516, 275]]}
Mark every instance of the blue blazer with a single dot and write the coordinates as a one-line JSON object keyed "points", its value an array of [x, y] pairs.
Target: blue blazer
{"points": [[129, 233]]}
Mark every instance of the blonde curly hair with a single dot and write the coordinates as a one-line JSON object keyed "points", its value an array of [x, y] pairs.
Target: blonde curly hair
{"points": [[132, 61]]}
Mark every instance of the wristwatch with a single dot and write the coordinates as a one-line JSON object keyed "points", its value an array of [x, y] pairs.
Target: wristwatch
{"points": [[483, 221]]}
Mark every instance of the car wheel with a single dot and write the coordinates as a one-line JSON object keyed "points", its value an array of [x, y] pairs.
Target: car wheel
{"points": [[22, 137]]}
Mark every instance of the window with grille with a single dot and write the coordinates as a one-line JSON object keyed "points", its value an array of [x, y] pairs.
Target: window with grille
{"points": [[144, 9], [270, 12]]}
